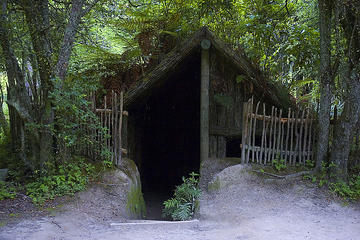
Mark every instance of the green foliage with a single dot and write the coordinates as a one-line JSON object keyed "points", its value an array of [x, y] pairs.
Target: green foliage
{"points": [[322, 177], [75, 119], [279, 164], [348, 191], [6, 156], [73, 110], [7, 190], [65, 179], [309, 163], [185, 201], [282, 40], [135, 202]]}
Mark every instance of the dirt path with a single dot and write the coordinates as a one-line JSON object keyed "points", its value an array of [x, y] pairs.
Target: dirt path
{"points": [[248, 210]]}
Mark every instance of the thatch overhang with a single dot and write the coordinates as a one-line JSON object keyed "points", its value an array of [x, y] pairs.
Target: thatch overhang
{"points": [[168, 65]]}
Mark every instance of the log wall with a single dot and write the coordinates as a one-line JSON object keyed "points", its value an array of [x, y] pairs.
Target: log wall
{"points": [[228, 90]]}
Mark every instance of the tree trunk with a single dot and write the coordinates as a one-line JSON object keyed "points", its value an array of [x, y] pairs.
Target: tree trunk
{"points": [[36, 145], [325, 12], [3, 122], [69, 38], [343, 130], [350, 116], [37, 18]]}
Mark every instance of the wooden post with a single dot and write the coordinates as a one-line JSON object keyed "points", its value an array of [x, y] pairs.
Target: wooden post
{"points": [[273, 147], [118, 161], [244, 130], [250, 130], [301, 137], [304, 150], [114, 127], [254, 134], [278, 152], [204, 101], [263, 135], [309, 157], [292, 138], [268, 158], [287, 151], [282, 155]]}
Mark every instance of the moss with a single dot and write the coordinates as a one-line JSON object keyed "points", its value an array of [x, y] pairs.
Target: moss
{"points": [[14, 215], [3, 223], [135, 202], [285, 171], [214, 186]]}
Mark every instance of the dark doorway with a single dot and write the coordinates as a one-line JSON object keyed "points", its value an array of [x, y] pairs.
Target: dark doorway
{"points": [[233, 147], [170, 145]]}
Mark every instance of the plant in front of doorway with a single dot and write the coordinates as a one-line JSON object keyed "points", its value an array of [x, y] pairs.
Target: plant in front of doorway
{"points": [[185, 201]]}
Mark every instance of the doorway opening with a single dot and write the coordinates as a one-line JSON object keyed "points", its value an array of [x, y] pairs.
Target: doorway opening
{"points": [[170, 141]]}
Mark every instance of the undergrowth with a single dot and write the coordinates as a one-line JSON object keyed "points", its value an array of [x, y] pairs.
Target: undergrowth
{"points": [[279, 164], [54, 181], [66, 179], [185, 201], [347, 190], [7, 190], [6, 156]]}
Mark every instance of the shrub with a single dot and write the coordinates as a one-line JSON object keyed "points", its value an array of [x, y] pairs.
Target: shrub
{"points": [[67, 179], [185, 201], [6, 190], [279, 164], [348, 191]]}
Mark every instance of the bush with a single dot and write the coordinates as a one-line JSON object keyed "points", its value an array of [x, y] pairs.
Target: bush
{"points": [[348, 191], [67, 179], [279, 164], [185, 201], [6, 190]]}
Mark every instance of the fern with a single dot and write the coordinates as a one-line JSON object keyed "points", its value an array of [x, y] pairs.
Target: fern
{"points": [[185, 201]]}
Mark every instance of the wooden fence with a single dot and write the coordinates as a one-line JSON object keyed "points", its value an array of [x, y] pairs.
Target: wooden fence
{"points": [[266, 138], [109, 135]]}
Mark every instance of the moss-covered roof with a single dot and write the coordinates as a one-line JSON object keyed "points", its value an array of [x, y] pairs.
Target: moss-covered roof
{"points": [[159, 74]]}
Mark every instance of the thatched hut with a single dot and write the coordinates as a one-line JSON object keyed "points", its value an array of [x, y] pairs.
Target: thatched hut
{"points": [[187, 111]]}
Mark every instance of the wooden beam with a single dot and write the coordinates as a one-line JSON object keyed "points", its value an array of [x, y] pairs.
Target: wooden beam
{"points": [[204, 105]]}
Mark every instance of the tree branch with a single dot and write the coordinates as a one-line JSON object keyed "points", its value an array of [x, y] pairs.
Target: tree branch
{"points": [[75, 16], [133, 5]]}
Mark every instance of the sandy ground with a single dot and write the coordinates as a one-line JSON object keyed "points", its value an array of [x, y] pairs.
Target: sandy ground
{"points": [[250, 209]]}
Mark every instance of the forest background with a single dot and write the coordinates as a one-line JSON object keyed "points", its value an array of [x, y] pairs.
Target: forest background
{"points": [[54, 52]]}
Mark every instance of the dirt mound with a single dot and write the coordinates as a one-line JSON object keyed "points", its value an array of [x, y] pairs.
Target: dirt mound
{"points": [[116, 197], [246, 207]]}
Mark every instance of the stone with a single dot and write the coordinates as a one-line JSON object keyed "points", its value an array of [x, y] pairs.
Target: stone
{"points": [[228, 176]]}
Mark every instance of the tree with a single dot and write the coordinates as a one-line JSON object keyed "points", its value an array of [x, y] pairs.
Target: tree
{"points": [[345, 25], [52, 36], [325, 14], [343, 136]]}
